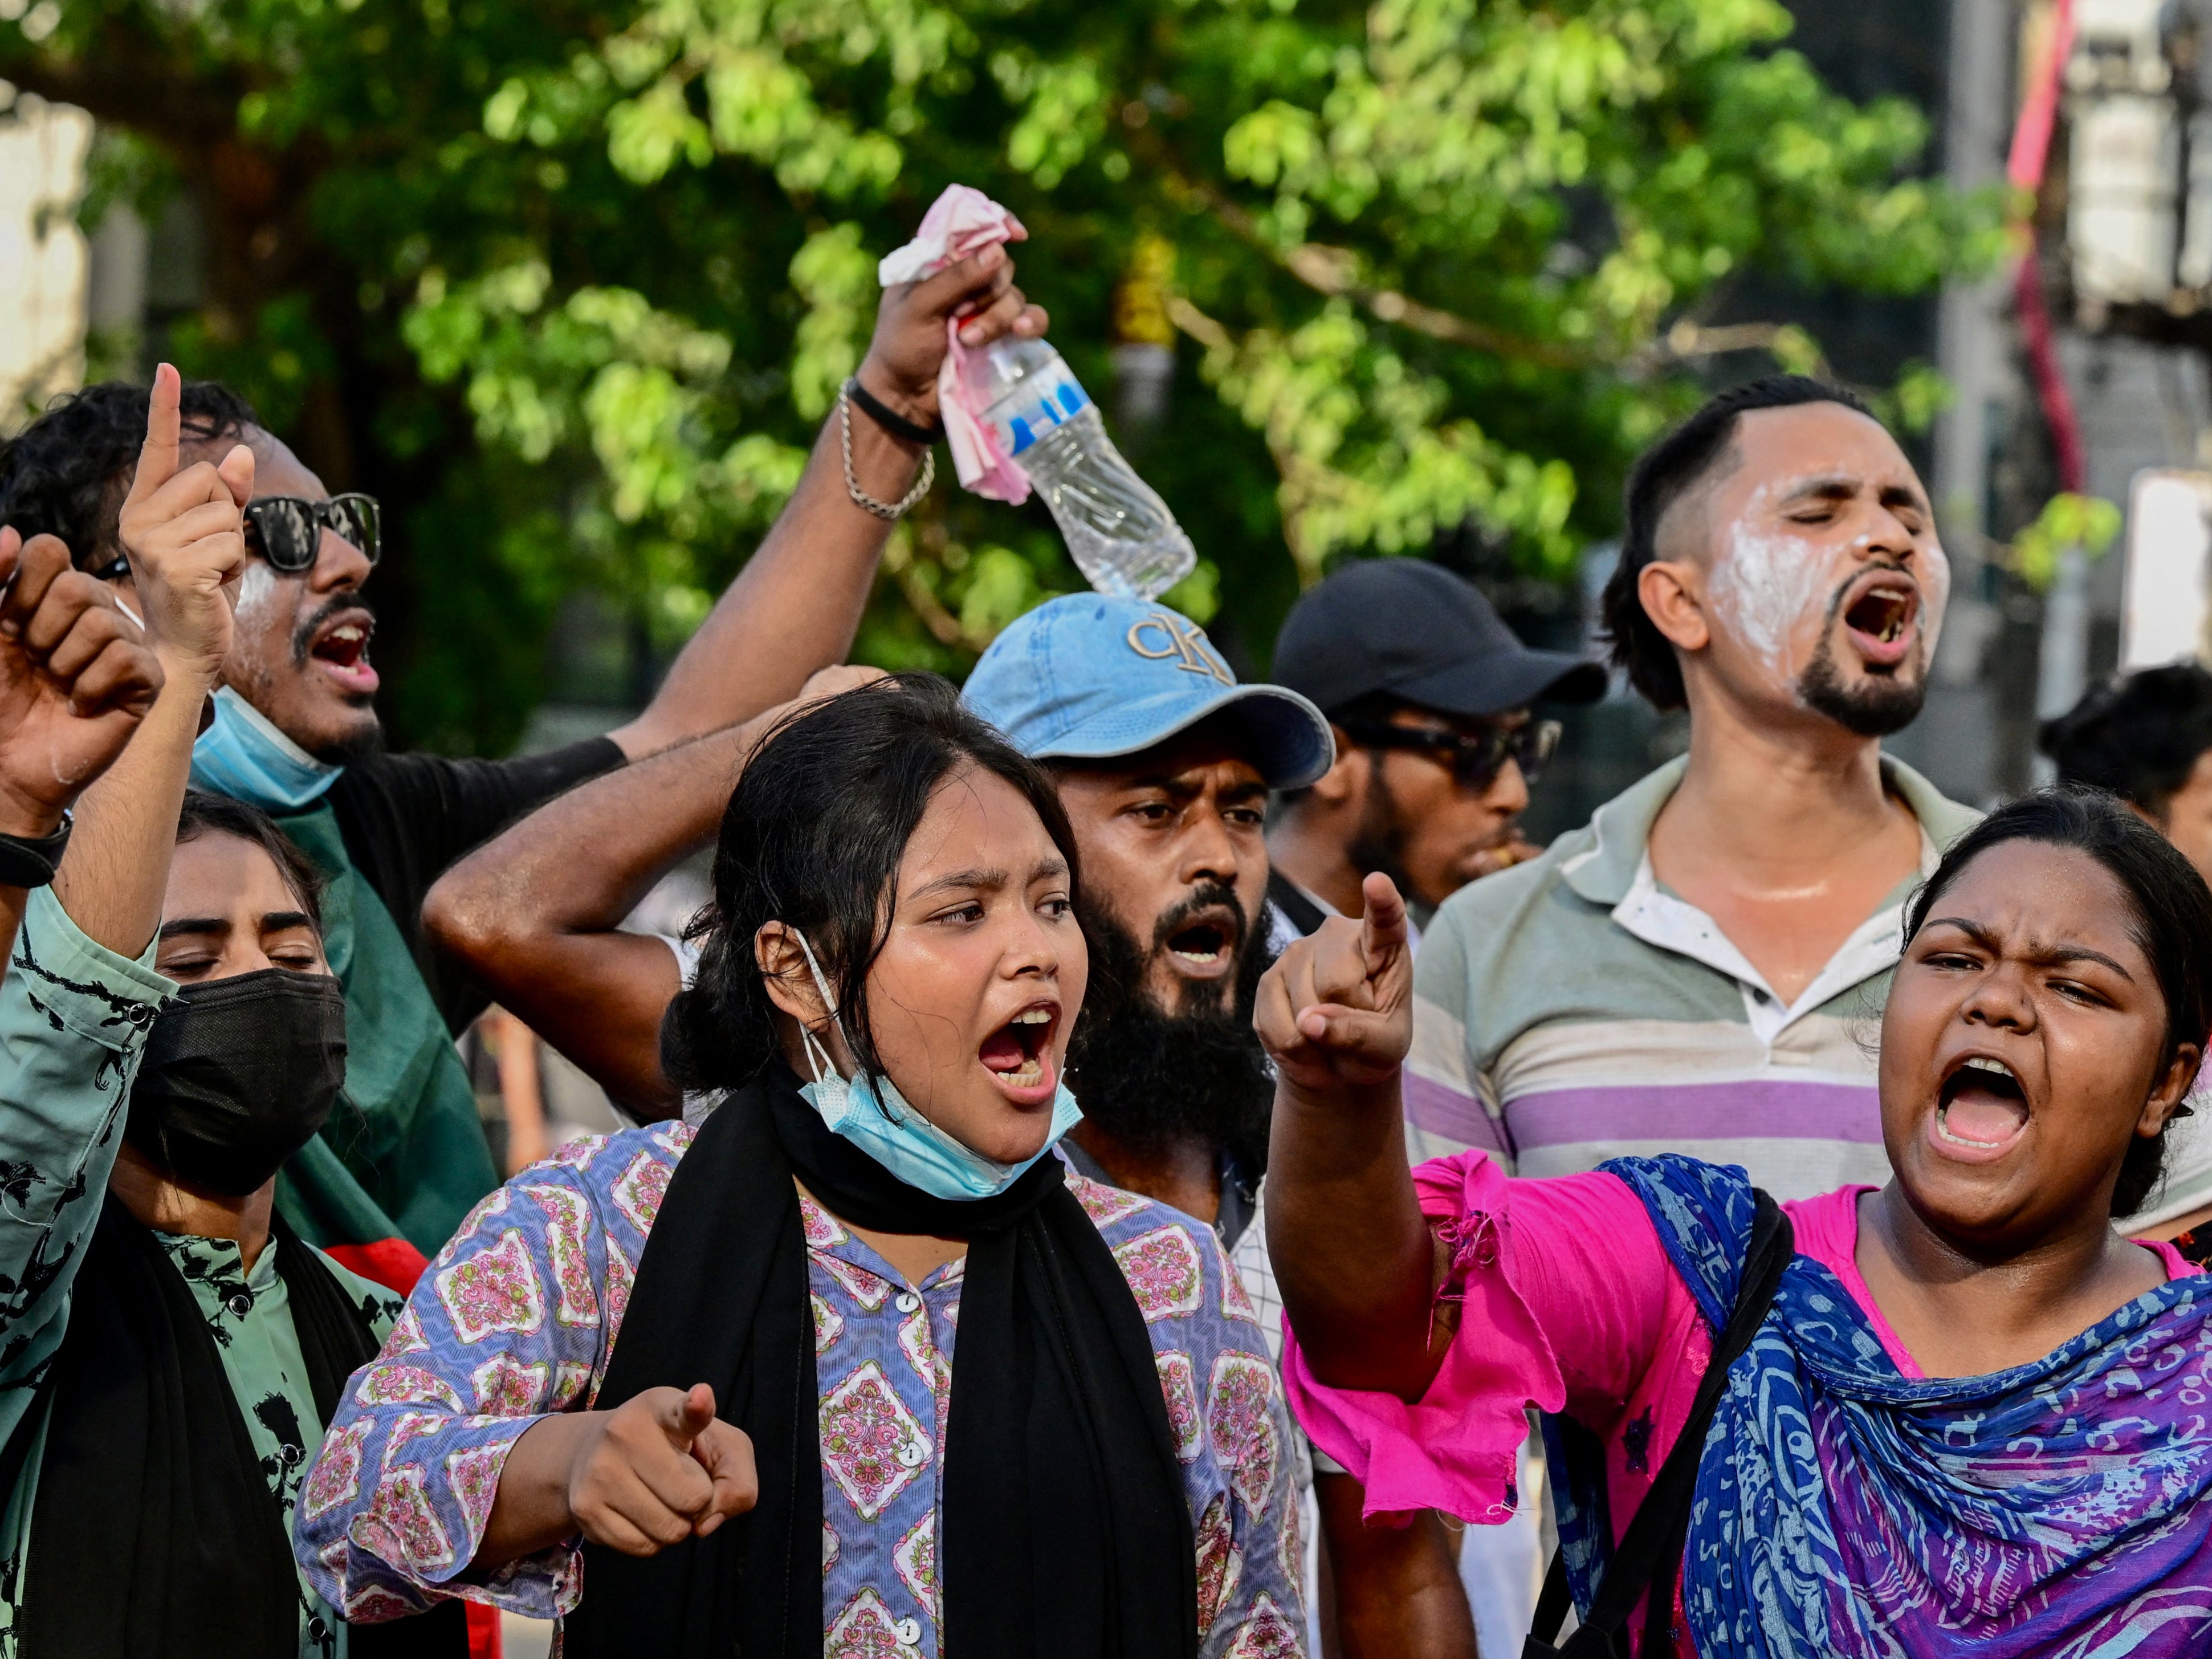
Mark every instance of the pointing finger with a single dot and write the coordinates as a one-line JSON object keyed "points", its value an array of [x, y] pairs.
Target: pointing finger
{"points": [[1384, 933], [686, 1418], [157, 456]]}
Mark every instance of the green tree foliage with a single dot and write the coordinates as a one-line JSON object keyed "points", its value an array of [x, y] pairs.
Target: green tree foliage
{"points": [[573, 281]]}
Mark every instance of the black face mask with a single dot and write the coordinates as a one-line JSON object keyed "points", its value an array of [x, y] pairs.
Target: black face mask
{"points": [[239, 1075]]}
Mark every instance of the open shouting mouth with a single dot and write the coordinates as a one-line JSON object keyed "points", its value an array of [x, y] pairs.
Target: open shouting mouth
{"points": [[1018, 1055], [1882, 617], [1204, 945], [1981, 1110], [340, 647]]}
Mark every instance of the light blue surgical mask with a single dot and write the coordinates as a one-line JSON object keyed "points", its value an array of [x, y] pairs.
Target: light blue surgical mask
{"points": [[876, 1117], [244, 756]]}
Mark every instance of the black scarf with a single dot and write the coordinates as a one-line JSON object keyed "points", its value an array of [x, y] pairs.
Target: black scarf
{"points": [[152, 1531], [1065, 1530]]}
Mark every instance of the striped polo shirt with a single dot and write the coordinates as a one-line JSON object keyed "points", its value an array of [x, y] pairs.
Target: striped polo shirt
{"points": [[1571, 1009]]}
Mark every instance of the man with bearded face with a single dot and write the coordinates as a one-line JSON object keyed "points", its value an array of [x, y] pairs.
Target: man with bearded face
{"points": [[1429, 692], [1165, 764], [1689, 973]]}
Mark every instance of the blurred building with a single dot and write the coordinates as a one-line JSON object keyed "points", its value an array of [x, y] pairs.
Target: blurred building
{"points": [[43, 255]]}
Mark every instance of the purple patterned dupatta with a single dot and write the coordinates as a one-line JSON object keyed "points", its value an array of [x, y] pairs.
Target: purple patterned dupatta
{"points": [[2059, 1507]]}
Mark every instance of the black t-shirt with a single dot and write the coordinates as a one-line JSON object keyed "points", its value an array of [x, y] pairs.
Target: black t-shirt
{"points": [[408, 818]]}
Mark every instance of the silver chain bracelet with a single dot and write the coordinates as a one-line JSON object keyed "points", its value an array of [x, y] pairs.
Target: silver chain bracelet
{"points": [[884, 510]]}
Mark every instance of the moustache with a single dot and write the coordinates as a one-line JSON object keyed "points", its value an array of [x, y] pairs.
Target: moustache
{"points": [[303, 636], [1206, 895]]}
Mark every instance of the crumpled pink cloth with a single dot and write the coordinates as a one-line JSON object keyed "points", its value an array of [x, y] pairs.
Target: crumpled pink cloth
{"points": [[961, 222]]}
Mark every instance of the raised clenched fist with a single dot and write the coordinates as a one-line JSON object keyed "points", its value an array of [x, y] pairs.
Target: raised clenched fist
{"points": [[75, 679]]}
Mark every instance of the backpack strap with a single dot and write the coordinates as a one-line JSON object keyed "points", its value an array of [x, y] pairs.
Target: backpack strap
{"points": [[1650, 1555]]}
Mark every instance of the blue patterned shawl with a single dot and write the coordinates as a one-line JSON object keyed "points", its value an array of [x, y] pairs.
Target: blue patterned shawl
{"points": [[2056, 1509]]}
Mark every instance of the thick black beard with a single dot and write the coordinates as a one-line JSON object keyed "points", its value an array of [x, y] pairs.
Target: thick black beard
{"points": [[1879, 706], [1151, 1079]]}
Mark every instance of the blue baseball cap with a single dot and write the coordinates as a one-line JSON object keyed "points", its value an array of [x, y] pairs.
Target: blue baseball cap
{"points": [[1084, 676]]}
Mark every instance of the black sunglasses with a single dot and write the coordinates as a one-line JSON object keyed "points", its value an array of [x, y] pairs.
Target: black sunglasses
{"points": [[287, 530], [1476, 759]]}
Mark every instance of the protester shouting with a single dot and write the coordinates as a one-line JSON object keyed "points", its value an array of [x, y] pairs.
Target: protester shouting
{"points": [[1165, 764], [173, 1352], [1428, 693], [883, 1003], [295, 730], [1720, 929], [1957, 1411], [2146, 737]]}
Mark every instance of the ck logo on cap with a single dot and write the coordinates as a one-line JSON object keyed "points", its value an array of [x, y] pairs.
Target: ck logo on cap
{"points": [[1164, 634]]}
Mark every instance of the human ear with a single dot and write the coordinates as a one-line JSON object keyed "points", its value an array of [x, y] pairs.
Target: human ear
{"points": [[783, 965], [1669, 591], [1346, 777], [2171, 1094]]}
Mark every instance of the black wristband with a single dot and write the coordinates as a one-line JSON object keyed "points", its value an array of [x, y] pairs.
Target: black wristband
{"points": [[897, 425], [25, 862]]}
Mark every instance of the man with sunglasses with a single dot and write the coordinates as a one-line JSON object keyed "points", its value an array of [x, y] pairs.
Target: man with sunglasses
{"points": [[294, 728], [1430, 695]]}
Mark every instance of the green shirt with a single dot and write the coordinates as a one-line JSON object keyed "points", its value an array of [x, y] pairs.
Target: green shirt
{"points": [[73, 1021]]}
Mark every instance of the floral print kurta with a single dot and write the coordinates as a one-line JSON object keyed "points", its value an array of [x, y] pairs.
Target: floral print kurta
{"points": [[518, 1317]]}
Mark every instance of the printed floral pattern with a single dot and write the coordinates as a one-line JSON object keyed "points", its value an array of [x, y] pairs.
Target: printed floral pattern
{"points": [[915, 1558], [1219, 1563], [1162, 1267], [1269, 1633], [1242, 1406], [569, 1218], [496, 1290], [871, 1441], [395, 1510], [1180, 1390], [828, 1325]]}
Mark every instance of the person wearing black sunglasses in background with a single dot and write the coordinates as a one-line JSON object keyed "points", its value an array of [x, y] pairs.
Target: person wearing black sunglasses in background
{"points": [[295, 730], [1430, 694]]}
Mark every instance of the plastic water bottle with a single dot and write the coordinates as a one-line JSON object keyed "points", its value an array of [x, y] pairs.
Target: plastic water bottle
{"points": [[1124, 539]]}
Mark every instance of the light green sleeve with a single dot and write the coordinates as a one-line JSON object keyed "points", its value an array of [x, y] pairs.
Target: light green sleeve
{"points": [[73, 1022]]}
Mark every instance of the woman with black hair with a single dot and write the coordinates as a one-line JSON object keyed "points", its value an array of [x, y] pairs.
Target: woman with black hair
{"points": [[1957, 1412], [173, 1349], [697, 1390]]}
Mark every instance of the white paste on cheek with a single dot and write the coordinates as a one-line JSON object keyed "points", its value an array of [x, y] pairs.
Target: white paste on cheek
{"points": [[1761, 587], [1933, 567], [256, 587]]}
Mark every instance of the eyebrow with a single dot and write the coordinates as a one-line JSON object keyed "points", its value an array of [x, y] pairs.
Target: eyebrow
{"points": [[1840, 488], [275, 921], [2051, 955], [962, 878]]}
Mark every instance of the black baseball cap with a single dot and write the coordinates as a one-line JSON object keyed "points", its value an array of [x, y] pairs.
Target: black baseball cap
{"points": [[1418, 632]]}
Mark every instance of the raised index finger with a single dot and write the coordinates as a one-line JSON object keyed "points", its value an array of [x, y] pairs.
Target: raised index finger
{"points": [[157, 456], [1383, 931]]}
